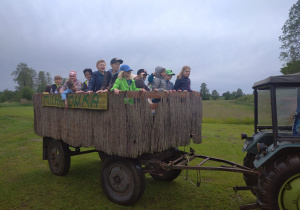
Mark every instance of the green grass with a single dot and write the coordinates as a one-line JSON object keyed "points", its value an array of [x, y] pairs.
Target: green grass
{"points": [[27, 183]]}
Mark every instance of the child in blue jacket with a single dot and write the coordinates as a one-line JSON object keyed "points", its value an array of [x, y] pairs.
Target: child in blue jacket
{"points": [[183, 82]]}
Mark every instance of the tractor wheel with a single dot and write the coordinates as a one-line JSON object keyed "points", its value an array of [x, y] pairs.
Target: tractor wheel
{"points": [[59, 157], [250, 180], [167, 176], [122, 180], [279, 185]]}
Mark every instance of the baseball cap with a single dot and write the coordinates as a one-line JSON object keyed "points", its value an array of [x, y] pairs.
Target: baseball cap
{"points": [[115, 60], [142, 71], [169, 72], [125, 68]]}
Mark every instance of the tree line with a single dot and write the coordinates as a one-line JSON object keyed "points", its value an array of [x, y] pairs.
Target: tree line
{"points": [[28, 82], [215, 95]]}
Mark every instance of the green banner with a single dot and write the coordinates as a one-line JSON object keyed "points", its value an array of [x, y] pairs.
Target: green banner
{"points": [[77, 101]]}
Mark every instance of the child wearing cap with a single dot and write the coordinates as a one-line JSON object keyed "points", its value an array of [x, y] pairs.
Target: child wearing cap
{"points": [[140, 79], [124, 82], [73, 77], [183, 82], [168, 77], [56, 86], [88, 75], [111, 75]]}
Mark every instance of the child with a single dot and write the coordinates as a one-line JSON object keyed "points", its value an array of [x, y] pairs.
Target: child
{"points": [[183, 82], [159, 82], [71, 89], [47, 89], [73, 77], [88, 75], [56, 86], [140, 79], [168, 77], [124, 82]]}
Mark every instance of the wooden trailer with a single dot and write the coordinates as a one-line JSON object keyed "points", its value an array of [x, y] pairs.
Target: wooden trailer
{"points": [[132, 139]]}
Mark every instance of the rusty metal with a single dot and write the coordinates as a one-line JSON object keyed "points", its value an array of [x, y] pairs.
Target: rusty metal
{"points": [[183, 163]]}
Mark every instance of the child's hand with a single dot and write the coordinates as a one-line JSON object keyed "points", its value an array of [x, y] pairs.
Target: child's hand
{"points": [[179, 90], [79, 91], [105, 91], [99, 91], [116, 91], [89, 91], [185, 91], [155, 90], [143, 90]]}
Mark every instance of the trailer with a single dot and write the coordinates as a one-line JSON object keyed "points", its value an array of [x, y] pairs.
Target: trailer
{"points": [[132, 139]]}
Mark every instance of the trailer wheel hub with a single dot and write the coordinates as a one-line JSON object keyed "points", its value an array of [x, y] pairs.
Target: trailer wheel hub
{"points": [[120, 179], [289, 194]]}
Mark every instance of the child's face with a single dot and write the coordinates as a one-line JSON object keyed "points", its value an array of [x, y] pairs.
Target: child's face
{"points": [[72, 77], [57, 81], [163, 73], [101, 67], [88, 76], [127, 74], [115, 66], [187, 72], [74, 88], [168, 77]]}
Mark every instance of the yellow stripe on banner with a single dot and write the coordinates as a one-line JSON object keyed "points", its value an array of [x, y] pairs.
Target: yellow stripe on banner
{"points": [[77, 101]]}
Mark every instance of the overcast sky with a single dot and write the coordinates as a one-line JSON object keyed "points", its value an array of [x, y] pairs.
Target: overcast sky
{"points": [[228, 44]]}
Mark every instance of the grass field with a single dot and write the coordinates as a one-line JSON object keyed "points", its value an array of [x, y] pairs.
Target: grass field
{"points": [[27, 183]]}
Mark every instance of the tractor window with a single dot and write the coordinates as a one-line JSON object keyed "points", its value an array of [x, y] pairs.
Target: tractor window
{"points": [[286, 102], [264, 107]]}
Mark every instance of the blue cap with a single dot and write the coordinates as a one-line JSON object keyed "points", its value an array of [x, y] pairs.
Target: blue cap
{"points": [[125, 68]]}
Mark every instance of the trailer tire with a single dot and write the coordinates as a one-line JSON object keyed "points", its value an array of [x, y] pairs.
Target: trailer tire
{"points": [[59, 157], [279, 185], [250, 180], [102, 155], [167, 176], [122, 180]]}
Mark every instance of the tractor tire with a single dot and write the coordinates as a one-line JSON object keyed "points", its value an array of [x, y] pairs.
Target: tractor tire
{"points": [[167, 176], [279, 185], [122, 180], [59, 158], [250, 180]]}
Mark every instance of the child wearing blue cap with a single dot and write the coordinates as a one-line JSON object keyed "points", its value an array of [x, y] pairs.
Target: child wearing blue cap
{"points": [[125, 82]]}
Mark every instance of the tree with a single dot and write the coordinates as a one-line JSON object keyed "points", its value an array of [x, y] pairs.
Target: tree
{"points": [[239, 93], [291, 35], [43, 79], [27, 93], [291, 67], [24, 76], [215, 95], [204, 91], [226, 95]]}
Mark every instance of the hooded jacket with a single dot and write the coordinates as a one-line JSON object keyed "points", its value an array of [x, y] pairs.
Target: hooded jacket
{"points": [[159, 82]]}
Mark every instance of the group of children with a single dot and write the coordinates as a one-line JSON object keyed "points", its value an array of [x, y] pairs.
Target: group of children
{"points": [[119, 78]]}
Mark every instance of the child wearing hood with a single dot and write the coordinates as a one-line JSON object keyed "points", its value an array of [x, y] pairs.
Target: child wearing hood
{"points": [[159, 82]]}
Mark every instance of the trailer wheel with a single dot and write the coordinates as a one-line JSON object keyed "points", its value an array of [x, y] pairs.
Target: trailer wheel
{"points": [[59, 157], [102, 155], [122, 180], [279, 185], [250, 180], [167, 176]]}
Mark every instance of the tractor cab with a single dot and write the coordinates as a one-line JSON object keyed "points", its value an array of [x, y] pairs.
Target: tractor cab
{"points": [[276, 123]]}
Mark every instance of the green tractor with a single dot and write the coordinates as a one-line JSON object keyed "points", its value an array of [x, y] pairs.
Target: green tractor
{"points": [[274, 149]]}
